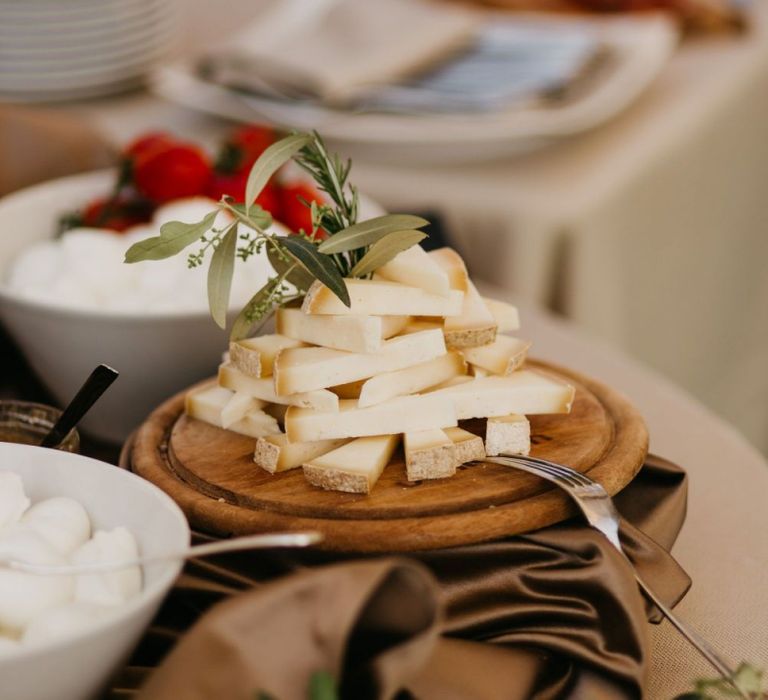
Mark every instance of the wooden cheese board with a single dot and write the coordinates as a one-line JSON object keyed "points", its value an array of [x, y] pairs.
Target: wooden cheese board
{"points": [[211, 475]]}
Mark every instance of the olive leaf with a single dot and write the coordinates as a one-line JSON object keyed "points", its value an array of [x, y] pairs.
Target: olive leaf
{"points": [[322, 686], [320, 266], [385, 249], [256, 308], [220, 272], [368, 232], [174, 237], [298, 277], [255, 217], [270, 161]]}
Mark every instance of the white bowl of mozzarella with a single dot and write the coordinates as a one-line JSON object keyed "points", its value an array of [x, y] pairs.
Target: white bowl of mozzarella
{"points": [[72, 303], [64, 636]]}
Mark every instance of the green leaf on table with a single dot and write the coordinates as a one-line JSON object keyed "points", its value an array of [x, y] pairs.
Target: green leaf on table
{"points": [[174, 237], [298, 277], [320, 266], [322, 686], [258, 306], [270, 161], [368, 232], [385, 249], [220, 273]]}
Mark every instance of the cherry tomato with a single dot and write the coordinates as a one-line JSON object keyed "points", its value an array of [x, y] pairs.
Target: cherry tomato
{"points": [[171, 171], [293, 212]]}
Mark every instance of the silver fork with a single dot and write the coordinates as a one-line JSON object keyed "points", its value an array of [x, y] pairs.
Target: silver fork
{"points": [[597, 507]]}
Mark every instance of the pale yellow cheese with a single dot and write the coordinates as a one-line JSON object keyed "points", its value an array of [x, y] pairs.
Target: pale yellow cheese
{"points": [[354, 467], [352, 333], [476, 371], [505, 355], [474, 327], [207, 404], [264, 389], [255, 356], [238, 406], [411, 380], [275, 454], [429, 454], [524, 391], [381, 298], [505, 315], [453, 265], [469, 446], [399, 415], [307, 369], [416, 268], [508, 435]]}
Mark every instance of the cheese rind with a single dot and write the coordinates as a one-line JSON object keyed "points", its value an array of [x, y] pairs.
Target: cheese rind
{"points": [[381, 298], [307, 369], [274, 453], [206, 405], [255, 356], [351, 333], [504, 356], [506, 315], [474, 327], [416, 268], [411, 380], [469, 446], [429, 454], [354, 467], [421, 412], [232, 378], [509, 435], [524, 391]]}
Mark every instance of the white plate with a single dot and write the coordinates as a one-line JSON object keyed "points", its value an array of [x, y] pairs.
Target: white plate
{"points": [[640, 48]]}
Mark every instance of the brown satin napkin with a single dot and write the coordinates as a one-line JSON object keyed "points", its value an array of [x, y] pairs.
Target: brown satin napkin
{"points": [[552, 614]]}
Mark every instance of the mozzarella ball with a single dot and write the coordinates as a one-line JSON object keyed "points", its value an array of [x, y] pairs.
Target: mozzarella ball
{"points": [[25, 596], [111, 588], [13, 500], [61, 521], [64, 621]]}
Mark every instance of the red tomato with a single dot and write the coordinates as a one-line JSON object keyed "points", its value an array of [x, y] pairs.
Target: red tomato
{"points": [[165, 172], [293, 212], [149, 141], [119, 216], [251, 141], [233, 185]]}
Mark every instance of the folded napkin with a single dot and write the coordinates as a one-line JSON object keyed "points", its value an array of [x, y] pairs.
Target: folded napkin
{"points": [[553, 614], [333, 49]]}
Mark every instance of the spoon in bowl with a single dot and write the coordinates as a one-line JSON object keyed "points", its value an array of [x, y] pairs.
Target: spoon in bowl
{"points": [[236, 544], [100, 380]]}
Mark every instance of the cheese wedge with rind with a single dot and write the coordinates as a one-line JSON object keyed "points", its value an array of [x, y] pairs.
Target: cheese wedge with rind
{"points": [[525, 391], [255, 356], [504, 356], [381, 298], [469, 446], [475, 326], [506, 315], [420, 412], [238, 406], [351, 333], [411, 380], [453, 265], [308, 369], [207, 403], [429, 454], [264, 388], [354, 467], [416, 268], [510, 435], [274, 453]]}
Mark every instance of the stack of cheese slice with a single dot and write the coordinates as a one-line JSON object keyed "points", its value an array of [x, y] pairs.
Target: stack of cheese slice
{"points": [[336, 389]]}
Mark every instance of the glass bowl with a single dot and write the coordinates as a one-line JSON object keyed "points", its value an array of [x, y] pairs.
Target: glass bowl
{"points": [[27, 423]]}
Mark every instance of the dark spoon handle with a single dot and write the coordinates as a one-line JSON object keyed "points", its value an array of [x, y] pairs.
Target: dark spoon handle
{"points": [[89, 393]]}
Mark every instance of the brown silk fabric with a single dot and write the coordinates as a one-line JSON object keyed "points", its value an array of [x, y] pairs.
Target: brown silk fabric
{"points": [[552, 614]]}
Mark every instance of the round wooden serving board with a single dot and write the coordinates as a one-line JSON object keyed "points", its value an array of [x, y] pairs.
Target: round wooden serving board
{"points": [[211, 474]]}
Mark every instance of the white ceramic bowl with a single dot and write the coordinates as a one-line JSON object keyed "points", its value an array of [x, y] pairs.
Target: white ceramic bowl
{"points": [[79, 666], [157, 355]]}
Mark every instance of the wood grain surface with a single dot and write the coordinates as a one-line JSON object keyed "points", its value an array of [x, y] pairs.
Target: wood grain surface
{"points": [[211, 474]]}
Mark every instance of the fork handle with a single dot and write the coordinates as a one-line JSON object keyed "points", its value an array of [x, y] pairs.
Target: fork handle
{"points": [[701, 644]]}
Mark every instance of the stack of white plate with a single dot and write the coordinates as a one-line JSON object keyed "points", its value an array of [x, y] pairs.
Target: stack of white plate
{"points": [[71, 49]]}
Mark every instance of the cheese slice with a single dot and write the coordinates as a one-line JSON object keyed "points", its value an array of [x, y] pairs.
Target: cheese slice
{"points": [[255, 356], [207, 404], [416, 325], [417, 269], [352, 333], [429, 454], [381, 298], [275, 454], [476, 371], [350, 390], [238, 406], [306, 369], [505, 355], [469, 446], [505, 315], [453, 265], [508, 435], [474, 327], [411, 380], [421, 412], [277, 410], [354, 467], [524, 391], [264, 389]]}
